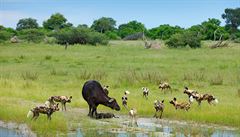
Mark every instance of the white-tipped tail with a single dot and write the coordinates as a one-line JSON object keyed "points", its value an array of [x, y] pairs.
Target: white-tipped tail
{"points": [[127, 92], [216, 101], [47, 103], [191, 99], [30, 113]]}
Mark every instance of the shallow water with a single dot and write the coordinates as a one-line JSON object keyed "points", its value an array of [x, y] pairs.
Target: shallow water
{"points": [[148, 127], [4, 132]]}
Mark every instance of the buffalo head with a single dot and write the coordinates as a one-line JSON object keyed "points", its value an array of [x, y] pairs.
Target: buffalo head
{"points": [[112, 103]]}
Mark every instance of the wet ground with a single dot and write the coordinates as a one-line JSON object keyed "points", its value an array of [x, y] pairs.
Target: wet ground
{"points": [[124, 127], [148, 127]]}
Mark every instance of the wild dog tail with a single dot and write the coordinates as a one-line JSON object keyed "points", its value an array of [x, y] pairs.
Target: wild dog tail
{"points": [[216, 101], [191, 99], [47, 103], [29, 114]]}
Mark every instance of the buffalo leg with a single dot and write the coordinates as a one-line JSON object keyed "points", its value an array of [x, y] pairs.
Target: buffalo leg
{"points": [[90, 109]]}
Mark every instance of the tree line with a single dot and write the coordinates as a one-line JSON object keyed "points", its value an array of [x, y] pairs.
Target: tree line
{"points": [[57, 29]]}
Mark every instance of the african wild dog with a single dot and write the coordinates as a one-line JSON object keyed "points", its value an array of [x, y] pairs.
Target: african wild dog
{"points": [[124, 99], [191, 93], [105, 115], [145, 92], [62, 99], [164, 86], [182, 105], [133, 113], [201, 97], [159, 107], [44, 110]]}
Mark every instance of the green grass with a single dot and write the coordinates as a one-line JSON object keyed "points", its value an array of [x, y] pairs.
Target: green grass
{"points": [[30, 73]]}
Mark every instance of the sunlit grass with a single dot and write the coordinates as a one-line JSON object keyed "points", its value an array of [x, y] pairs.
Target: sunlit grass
{"points": [[30, 73]]}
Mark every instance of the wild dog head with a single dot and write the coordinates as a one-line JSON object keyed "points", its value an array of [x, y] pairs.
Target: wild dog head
{"points": [[173, 101], [68, 99]]}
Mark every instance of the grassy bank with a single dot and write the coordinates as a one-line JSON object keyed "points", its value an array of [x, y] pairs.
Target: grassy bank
{"points": [[30, 73]]}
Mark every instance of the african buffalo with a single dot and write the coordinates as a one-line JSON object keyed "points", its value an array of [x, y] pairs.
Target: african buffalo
{"points": [[94, 94]]}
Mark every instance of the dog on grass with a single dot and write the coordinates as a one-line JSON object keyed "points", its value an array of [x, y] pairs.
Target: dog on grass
{"points": [[180, 105], [62, 99], [43, 110]]}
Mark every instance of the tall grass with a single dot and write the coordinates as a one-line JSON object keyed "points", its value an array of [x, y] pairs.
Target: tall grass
{"points": [[29, 75]]}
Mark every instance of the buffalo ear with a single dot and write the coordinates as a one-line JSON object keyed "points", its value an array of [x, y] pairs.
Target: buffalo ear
{"points": [[111, 100]]}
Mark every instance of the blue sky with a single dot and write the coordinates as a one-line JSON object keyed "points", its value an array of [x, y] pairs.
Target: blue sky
{"points": [[152, 13]]}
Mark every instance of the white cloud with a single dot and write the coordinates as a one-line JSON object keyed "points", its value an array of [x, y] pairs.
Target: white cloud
{"points": [[10, 18]]}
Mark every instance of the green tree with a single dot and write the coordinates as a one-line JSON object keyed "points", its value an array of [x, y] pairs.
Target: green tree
{"points": [[82, 26], [164, 31], [232, 17], [209, 28], [131, 27], [55, 22], [104, 24], [27, 23]]}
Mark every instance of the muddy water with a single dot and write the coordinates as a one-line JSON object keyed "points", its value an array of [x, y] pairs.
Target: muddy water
{"points": [[148, 127]]}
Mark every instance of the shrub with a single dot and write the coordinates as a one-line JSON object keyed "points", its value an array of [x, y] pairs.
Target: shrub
{"points": [[97, 38], [32, 35], [183, 39], [5, 35], [216, 80], [112, 35], [50, 40], [80, 36], [48, 57], [176, 40]]}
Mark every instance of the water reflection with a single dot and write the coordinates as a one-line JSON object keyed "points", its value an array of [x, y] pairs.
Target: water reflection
{"points": [[151, 127], [4, 132]]}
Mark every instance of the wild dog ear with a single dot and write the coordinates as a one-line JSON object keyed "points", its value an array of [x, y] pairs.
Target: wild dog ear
{"points": [[186, 88], [162, 101], [70, 97], [107, 86], [174, 99], [57, 104], [111, 100]]}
